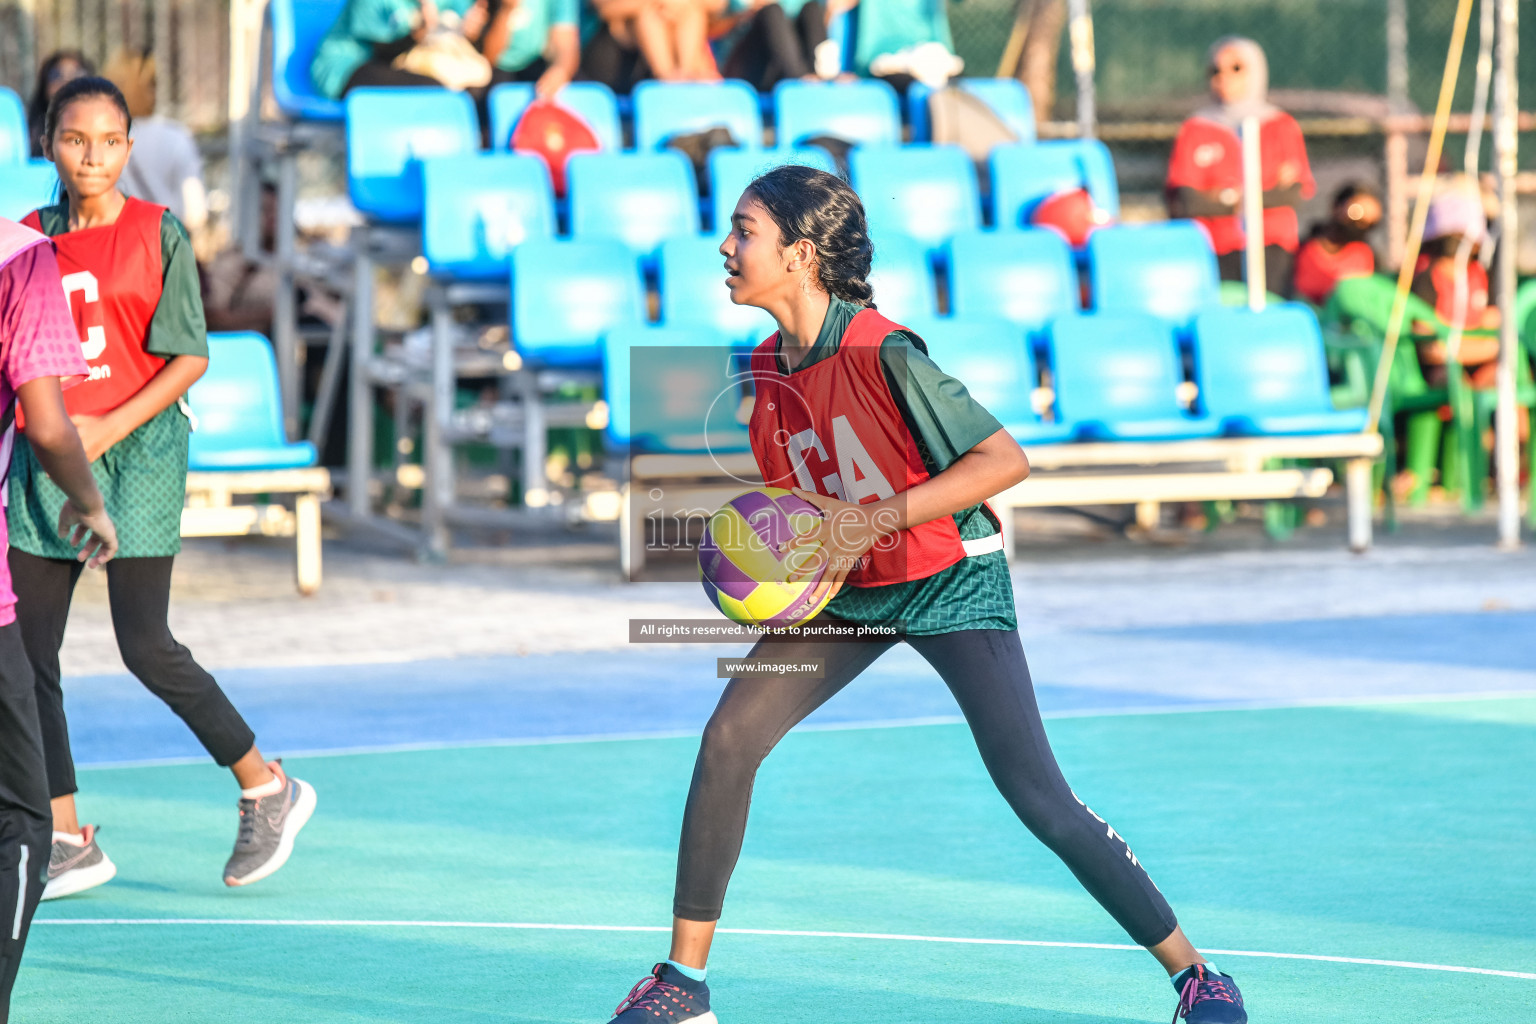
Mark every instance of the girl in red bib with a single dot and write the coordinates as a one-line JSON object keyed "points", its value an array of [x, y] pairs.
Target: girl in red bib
{"points": [[851, 413], [132, 286]]}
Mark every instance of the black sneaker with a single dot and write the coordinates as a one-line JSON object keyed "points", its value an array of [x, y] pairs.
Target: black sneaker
{"points": [[665, 995], [1207, 997]]}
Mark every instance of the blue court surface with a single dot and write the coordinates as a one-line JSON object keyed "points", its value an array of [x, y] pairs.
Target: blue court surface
{"points": [[1341, 812]]}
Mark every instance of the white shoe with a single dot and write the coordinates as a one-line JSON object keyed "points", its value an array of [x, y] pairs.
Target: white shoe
{"points": [[73, 868]]}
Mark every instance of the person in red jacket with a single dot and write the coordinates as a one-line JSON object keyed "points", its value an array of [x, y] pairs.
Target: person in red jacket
{"points": [[850, 412], [1205, 172]]}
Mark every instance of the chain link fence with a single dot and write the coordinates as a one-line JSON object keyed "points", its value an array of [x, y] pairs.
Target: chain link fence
{"points": [[1151, 53]]}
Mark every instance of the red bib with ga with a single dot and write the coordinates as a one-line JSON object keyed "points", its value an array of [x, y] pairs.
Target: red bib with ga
{"points": [[112, 278], [835, 428]]}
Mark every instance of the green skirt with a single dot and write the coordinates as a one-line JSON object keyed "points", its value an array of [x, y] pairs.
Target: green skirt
{"points": [[974, 593], [143, 479]]}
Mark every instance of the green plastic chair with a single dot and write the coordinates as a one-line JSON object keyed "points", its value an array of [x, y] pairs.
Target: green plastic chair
{"points": [[1363, 306]]}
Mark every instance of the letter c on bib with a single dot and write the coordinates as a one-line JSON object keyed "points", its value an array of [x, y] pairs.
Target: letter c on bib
{"points": [[84, 281]]}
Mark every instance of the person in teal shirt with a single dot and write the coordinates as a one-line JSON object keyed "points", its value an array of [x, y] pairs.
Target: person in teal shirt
{"points": [[368, 35], [534, 41], [890, 26]]}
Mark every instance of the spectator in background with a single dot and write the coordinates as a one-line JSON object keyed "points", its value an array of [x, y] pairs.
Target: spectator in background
{"points": [[901, 41], [369, 35], [779, 41], [165, 167], [638, 39], [239, 293], [61, 66], [1205, 173], [1457, 216], [533, 41], [1337, 247]]}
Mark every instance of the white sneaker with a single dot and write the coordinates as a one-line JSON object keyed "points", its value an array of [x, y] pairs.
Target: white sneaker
{"points": [[73, 868]]}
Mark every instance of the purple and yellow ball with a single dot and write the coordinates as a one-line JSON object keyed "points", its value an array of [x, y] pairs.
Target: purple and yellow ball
{"points": [[746, 558]]}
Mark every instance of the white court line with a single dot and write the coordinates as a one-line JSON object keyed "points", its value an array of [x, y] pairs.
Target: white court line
{"points": [[884, 723], [779, 932]]}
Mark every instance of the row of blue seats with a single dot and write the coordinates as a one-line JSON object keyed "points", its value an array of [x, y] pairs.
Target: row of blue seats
{"points": [[566, 294], [474, 211], [1113, 377], [391, 131]]}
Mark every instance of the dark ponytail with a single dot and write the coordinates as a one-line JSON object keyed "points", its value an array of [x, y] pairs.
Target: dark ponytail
{"points": [[821, 208], [79, 89]]}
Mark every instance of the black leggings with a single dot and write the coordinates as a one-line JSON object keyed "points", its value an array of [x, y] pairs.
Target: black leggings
{"points": [[986, 671], [774, 48], [139, 593], [25, 820]]}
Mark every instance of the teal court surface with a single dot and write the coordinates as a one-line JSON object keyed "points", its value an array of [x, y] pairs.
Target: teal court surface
{"points": [[1340, 810]]}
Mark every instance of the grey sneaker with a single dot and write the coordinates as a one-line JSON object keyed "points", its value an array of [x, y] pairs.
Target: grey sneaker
{"points": [[73, 869], [267, 829]]}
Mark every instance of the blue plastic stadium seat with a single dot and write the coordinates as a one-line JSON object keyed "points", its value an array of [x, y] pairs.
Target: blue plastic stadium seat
{"points": [[927, 193], [682, 399], [567, 295], [665, 109], [732, 170], [1117, 378], [1007, 97], [863, 112], [297, 28], [593, 102], [640, 199], [238, 410], [994, 362], [1024, 173], [1266, 373], [693, 293], [479, 208], [1168, 270], [15, 148], [389, 133], [902, 279], [1025, 277], [26, 186]]}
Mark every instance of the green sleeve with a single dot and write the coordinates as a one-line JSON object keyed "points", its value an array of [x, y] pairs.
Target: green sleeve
{"points": [[946, 421], [178, 327]]}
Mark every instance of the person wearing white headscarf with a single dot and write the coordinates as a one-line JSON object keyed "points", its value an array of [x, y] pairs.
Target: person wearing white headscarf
{"points": [[1205, 172]]}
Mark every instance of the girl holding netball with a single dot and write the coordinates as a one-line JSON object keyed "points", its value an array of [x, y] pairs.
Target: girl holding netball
{"points": [[132, 284], [851, 412]]}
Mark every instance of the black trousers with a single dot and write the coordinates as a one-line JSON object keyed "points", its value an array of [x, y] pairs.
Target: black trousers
{"points": [[986, 671], [1277, 268], [604, 59], [774, 48], [139, 594], [26, 823]]}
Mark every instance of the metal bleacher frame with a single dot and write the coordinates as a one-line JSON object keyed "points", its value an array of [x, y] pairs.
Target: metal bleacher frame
{"points": [[279, 142]]}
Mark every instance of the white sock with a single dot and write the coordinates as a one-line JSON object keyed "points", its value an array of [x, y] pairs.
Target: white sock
{"points": [[72, 838], [266, 789]]}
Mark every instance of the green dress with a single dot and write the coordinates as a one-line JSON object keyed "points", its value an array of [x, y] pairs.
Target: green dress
{"points": [[143, 478], [976, 592]]}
